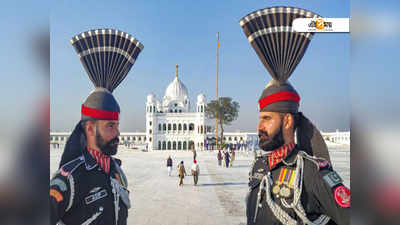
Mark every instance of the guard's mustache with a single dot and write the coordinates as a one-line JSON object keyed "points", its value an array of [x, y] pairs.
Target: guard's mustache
{"points": [[262, 134], [114, 140]]}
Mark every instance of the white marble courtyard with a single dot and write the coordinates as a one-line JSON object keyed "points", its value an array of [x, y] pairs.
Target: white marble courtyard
{"points": [[218, 199]]}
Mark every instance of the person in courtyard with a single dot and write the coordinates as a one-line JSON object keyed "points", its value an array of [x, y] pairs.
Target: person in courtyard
{"points": [[195, 172], [219, 157], [227, 158], [181, 173], [291, 182], [232, 157], [169, 165], [90, 186]]}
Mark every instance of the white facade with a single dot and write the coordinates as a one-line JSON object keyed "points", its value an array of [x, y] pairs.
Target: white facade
{"points": [[337, 137], [172, 124]]}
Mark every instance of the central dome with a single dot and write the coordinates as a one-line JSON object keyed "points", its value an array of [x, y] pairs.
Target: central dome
{"points": [[176, 90]]}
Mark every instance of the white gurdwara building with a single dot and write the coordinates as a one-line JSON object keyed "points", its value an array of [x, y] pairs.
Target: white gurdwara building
{"points": [[172, 123]]}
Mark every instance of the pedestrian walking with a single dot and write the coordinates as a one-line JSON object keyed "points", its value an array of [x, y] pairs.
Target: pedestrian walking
{"points": [[195, 172], [169, 165], [227, 157], [219, 157], [181, 173]]}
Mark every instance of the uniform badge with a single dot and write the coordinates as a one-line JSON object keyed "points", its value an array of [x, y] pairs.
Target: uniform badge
{"points": [[323, 163], [285, 183], [260, 170], [56, 195], [276, 189], [342, 196], [285, 192]]}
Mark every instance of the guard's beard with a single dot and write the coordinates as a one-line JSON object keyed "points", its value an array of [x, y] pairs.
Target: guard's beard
{"points": [[267, 143], [107, 148]]}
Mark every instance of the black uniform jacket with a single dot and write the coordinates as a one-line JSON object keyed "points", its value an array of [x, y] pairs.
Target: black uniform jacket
{"points": [[317, 195], [82, 193]]}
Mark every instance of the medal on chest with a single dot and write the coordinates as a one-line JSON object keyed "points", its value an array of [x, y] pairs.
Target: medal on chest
{"points": [[284, 185]]}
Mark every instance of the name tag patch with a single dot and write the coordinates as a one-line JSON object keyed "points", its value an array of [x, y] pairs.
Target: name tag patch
{"points": [[333, 179], [94, 197]]}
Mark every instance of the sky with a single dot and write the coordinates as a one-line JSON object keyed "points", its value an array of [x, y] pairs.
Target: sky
{"points": [[184, 33]]}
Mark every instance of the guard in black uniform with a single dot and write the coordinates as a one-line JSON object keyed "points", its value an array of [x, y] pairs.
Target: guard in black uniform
{"points": [[90, 186], [292, 180]]}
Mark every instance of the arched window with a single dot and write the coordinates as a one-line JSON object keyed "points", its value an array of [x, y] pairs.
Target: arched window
{"points": [[191, 126], [164, 126], [191, 145], [169, 145], [150, 131], [159, 127], [154, 109], [169, 127], [201, 107], [159, 145], [139, 139], [184, 145], [230, 139], [174, 126], [174, 145], [201, 129], [179, 126], [179, 145], [164, 145], [151, 109], [235, 139], [184, 126]]}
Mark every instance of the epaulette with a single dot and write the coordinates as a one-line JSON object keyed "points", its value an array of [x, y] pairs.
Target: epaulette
{"points": [[320, 163], [69, 167]]}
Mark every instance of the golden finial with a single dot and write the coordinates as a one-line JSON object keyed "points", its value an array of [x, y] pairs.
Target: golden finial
{"points": [[176, 74]]}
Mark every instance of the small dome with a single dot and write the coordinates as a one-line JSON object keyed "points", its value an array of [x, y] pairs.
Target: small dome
{"points": [[176, 90], [151, 98], [201, 99]]}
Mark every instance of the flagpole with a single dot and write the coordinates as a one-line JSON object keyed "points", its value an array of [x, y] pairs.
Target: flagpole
{"points": [[216, 121]]}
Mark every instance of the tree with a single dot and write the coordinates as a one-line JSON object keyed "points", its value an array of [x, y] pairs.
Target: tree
{"points": [[225, 111]]}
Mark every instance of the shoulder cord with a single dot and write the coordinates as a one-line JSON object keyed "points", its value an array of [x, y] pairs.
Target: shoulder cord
{"points": [[115, 190], [72, 194]]}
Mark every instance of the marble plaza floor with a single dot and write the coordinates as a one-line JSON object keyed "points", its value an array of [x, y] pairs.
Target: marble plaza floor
{"points": [[218, 199]]}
